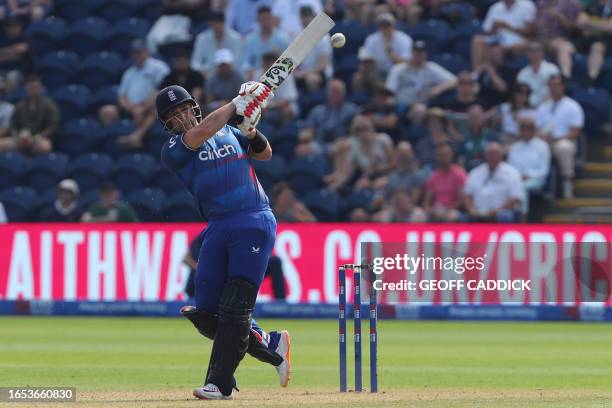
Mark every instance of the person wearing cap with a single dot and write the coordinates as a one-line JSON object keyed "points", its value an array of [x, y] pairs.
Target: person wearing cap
{"points": [[109, 208], [222, 85], [137, 91], [387, 45], [183, 75], [419, 80], [265, 38], [317, 66], [367, 75], [66, 207], [6, 111], [208, 42]]}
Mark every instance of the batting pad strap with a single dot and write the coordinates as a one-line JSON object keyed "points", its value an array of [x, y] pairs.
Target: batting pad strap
{"points": [[258, 143]]}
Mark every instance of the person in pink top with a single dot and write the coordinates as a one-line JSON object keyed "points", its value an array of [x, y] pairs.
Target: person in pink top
{"points": [[443, 188]]}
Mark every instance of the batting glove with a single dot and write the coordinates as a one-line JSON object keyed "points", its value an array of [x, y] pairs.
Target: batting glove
{"points": [[250, 121], [260, 92]]}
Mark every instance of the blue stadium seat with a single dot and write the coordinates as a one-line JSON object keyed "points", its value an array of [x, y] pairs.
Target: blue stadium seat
{"points": [[148, 203], [100, 69], [18, 203], [87, 35], [324, 204], [13, 166], [180, 207], [155, 139], [112, 132], [80, 136], [306, 174], [17, 95], [45, 35], [435, 33], [123, 32], [90, 170], [113, 10], [133, 171], [73, 100], [45, 200], [88, 198], [72, 10], [269, 172], [150, 10], [357, 199], [596, 105], [579, 65], [345, 58], [458, 12], [103, 96], [605, 78], [167, 181], [46, 170], [284, 140], [57, 68], [462, 36], [453, 62]]}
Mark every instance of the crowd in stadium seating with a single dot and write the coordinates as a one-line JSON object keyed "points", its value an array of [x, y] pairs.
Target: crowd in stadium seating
{"points": [[434, 110]]}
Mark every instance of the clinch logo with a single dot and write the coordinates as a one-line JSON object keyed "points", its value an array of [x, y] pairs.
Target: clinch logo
{"points": [[212, 154]]}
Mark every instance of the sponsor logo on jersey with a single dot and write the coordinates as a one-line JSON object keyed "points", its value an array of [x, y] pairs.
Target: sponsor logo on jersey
{"points": [[221, 152]]}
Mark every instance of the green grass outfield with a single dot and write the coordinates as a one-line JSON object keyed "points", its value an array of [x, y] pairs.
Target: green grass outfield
{"points": [[129, 362]]}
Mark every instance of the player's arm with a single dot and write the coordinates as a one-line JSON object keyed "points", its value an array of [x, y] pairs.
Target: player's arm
{"points": [[195, 137], [259, 147]]}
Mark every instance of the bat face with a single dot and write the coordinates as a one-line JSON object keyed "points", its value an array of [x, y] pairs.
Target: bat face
{"points": [[278, 72]]}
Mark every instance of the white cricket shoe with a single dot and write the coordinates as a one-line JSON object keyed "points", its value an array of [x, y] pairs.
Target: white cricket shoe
{"points": [[210, 392], [284, 349]]}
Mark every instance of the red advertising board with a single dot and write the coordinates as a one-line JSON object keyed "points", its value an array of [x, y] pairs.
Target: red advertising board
{"points": [[143, 262]]}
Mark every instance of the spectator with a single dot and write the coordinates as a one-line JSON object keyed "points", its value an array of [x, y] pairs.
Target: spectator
{"points": [[530, 156], [288, 13], [494, 189], [317, 66], [242, 14], [476, 136], [109, 208], [66, 207], [400, 208], [108, 115], [208, 42], [34, 10], [406, 173], [3, 217], [443, 188], [35, 119], [266, 38], [382, 112], [510, 112], [327, 122], [174, 25], [287, 208], [6, 111], [388, 45], [183, 75], [225, 81], [511, 21], [13, 46], [464, 96], [365, 156], [367, 76], [556, 22], [359, 215], [495, 76], [439, 131], [561, 120], [419, 80], [283, 107], [537, 74], [596, 26], [137, 92]]}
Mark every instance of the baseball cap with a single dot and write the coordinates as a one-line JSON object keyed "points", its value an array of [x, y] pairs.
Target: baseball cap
{"points": [[419, 45], [385, 19], [223, 56], [69, 185]]}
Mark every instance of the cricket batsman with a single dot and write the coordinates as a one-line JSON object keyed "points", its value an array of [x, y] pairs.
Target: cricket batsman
{"points": [[213, 161]]}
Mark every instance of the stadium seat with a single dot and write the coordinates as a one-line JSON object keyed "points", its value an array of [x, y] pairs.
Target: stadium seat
{"points": [[100, 69], [167, 181], [13, 167], [45, 200], [46, 170], [324, 204], [181, 208], [284, 140], [57, 68], [80, 136], [579, 65], [103, 96], [88, 198], [357, 199], [132, 171], [73, 10], [87, 35], [18, 203], [306, 174], [435, 33], [452, 62], [112, 132], [269, 172], [113, 10], [596, 105], [462, 36], [309, 100], [150, 10], [148, 203], [123, 32], [90, 170], [457, 12], [72, 100], [45, 35], [155, 139]]}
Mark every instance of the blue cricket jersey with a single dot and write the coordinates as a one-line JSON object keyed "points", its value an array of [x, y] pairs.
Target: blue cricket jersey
{"points": [[218, 174]]}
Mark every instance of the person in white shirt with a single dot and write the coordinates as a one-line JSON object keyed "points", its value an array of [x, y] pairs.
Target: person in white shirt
{"points": [[530, 155], [317, 66], [494, 190], [217, 37], [287, 13], [537, 74], [511, 21], [560, 121], [388, 45]]}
